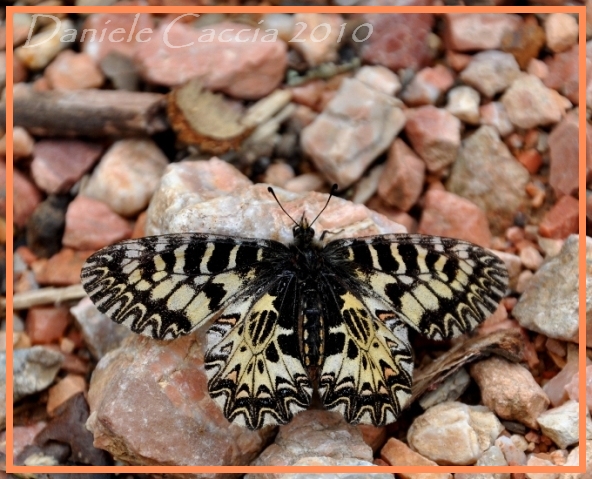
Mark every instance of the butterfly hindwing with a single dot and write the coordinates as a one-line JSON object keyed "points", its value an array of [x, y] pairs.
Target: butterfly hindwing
{"points": [[442, 287]]}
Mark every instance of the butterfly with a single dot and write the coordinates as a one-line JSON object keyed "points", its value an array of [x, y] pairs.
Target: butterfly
{"points": [[289, 319]]}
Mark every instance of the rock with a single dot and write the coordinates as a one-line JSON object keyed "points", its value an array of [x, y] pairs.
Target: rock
{"points": [[120, 71], [487, 174], [397, 453], [491, 72], [324, 461], [90, 224], [449, 390], [562, 73], [536, 461], [315, 433], [248, 68], [573, 459], [34, 370], [160, 385], [100, 334], [379, 78], [573, 387], [479, 31], [446, 214], [434, 134], [47, 324], [45, 45], [524, 43], [550, 303], [278, 174], [463, 103], [26, 196], [454, 433], [564, 153], [319, 32], [561, 424], [22, 143], [530, 103], [495, 114], [401, 181], [531, 159], [561, 30], [524, 279], [510, 390], [333, 139], [513, 455], [127, 176], [561, 220], [306, 182], [531, 258], [492, 457], [46, 226], [73, 71], [58, 164], [398, 41], [23, 436], [63, 268], [428, 86], [367, 186], [71, 385]]}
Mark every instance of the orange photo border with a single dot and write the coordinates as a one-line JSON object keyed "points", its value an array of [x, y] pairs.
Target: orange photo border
{"points": [[11, 468]]}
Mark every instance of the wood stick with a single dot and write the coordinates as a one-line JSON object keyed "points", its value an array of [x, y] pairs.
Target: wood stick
{"points": [[42, 296], [92, 113]]}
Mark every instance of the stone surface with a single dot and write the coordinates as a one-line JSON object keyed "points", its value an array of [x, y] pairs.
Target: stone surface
{"points": [[26, 196], [127, 176], [487, 174], [447, 214], [561, 424], [563, 153], [324, 461], [495, 114], [491, 72], [428, 86], [397, 453], [247, 69], [58, 164], [513, 455], [530, 103], [573, 387], [34, 370], [509, 390], [45, 45], [531, 258], [161, 386], [449, 390], [550, 303], [561, 30], [22, 143], [453, 433], [463, 103], [67, 387], [46, 324], [492, 457], [73, 71], [91, 224], [63, 268], [561, 220], [401, 181], [352, 131], [479, 31], [526, 42], [379, 78], [306, 182], [45, 227], [315, 433], [320, 46], [562, 73], [434, 134]]}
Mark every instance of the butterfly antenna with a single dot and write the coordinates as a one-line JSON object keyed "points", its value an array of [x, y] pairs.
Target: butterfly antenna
{"points": [[331, 194], [270, 189]]}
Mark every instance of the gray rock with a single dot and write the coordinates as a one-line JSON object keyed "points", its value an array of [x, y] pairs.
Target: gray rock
{"points": [[450, 390], [34, 370], [324, 461], [491, 72]]}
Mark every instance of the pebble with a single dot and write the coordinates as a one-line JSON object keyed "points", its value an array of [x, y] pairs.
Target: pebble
{"points": [[524, 279], [491, 72], [380, 78], [509, 390], [537, 461], [26, 196], [23, 436], [324, 461], [531, 258], [306, 182], [58, 164], [319, 32], [513, 455], [561, 424], [62, 269], [333, 139], [486, 173], [479, 31], [561, 30], [100, 334], [46, 226], [34, 370], [162, 385], [47, 324], [530, 103], [449, 390], [453, 433], [243, 69], [401, 182], [398, 41], [120, 70], [463, 103], [573, 387], [562, 73], [397, 453], [428, 86], [563, 153], [22, 143], [525, 43], [315, 434], [561, 220], [278, 174], [367, 186], [447, 214], [531, 159], [127, 176], [434, 134], [45, 45], [538, 68], [549, 305], [67, 387], [494, 114], [492, 457], [91, 225], [73, 71]]}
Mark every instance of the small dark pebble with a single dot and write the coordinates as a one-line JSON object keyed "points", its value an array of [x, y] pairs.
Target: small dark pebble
{"points": [[515, 427], [46, 226]]}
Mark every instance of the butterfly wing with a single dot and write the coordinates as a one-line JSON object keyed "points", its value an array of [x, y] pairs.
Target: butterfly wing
{"points": [[167, 286], [442, 287], [253, 360]]}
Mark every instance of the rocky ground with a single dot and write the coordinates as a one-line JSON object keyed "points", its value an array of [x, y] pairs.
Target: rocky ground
{"points": [[426, 127]]}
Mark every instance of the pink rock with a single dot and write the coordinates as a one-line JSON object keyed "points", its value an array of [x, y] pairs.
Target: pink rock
{"points": [[491, 72], [562, 74], [479, 31], [22, 143], [140, 28], [278, 174], [557, 387], [309, 94], [306, 182], [243, 69], [446, 214], [564, 152], [561, 30], [398, 40], [58, 164], [320, 46], [531, 258], [428, 86], [397, 453], [572, 388], [63, 268], [401, 182], [495, 114], [73, 71], [24, 436], [561, 220], [90, 224], [434, 134], [71, 385], [47, 324], [537, 68], [26, 196], [531, 159], [380, 78]]}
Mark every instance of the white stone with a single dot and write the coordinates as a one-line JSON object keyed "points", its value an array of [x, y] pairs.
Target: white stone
{"points": [[561, 424], [380, 78], [463, 103]]}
